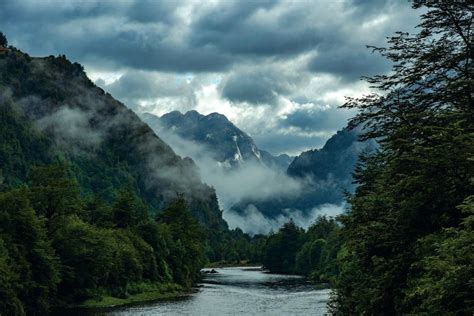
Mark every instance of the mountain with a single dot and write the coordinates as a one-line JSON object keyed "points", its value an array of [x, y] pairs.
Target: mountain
{"points": [[326, 174], [50, 111], [226, 143], [280, 162], [336, 160]]}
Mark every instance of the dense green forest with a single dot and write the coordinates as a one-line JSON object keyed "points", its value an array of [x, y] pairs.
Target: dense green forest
{"points": [[408, 235], [312, 253], [87, 210], [60, 248]]}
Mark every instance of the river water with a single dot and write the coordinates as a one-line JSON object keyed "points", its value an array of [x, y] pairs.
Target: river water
{"points": [[242, 291]]}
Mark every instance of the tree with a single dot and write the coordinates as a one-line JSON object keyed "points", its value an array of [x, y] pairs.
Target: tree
{"points": [[308, 257], [31, 261], [316, 258], [281, 248], [3, 40], [187, 251], [128, 210], [53, 191], [409, 190], [9, 302], [445, 281]]}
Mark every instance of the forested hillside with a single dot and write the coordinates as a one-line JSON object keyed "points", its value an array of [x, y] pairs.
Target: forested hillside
{"points": [[325, 175], [107, 145], [93, 204]]}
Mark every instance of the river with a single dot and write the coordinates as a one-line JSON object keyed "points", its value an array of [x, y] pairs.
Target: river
{"points": [[241, 291]]}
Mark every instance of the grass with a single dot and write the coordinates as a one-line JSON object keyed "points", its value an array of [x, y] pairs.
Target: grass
{"points": [[164, 292]]}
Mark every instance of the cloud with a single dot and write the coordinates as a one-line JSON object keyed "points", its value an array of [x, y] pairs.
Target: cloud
{"points": [[312, 118], [143, 35], [141, 88], [258, 28], [191, 36], [255, 86], [253, 222], [251, 180], [349, 63], [291, 143], [71, 127], [273, 64]]}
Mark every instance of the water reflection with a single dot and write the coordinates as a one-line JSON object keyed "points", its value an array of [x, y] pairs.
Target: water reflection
{"points": [[242, 291]]}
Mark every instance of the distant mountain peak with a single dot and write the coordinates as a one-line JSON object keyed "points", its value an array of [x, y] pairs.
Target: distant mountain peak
{"points": [[215, 115], [193, 113], [230, 146]]}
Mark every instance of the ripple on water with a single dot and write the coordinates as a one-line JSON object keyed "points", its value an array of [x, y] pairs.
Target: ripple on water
{"points": [[242, 291]]}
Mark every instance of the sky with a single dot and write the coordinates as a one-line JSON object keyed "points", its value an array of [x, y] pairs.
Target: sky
{"points": [[279, 70]]}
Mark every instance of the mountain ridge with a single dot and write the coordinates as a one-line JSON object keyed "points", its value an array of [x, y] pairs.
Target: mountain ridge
{"points": [[326, 174], [106, 144], [228, 144]]}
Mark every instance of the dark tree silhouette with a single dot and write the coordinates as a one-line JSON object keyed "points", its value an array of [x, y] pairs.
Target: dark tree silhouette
{"points": [[3, 40]]}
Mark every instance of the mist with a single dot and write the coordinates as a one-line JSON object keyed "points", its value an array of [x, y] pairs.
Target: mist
{"points": [[250, 180], [256, 223]]}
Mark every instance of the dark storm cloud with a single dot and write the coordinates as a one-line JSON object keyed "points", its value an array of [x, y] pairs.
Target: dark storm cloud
{"points": [[349, 63], [365, 7], [150, 11], [133, 49], [235, 27], [108, 34], [152, 35], [255, 86], [315, 119], [338, 44]]}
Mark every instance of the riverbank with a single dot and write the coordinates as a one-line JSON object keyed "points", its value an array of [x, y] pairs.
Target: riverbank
{"points": [[163, 292], [109, 301], [222, 264], [238, 291]]}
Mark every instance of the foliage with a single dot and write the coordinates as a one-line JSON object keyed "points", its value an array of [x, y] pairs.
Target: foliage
{"points": [[21, 146], [443, 280], [407, 245], [3, 40], [310, 253], [234, 247], [281, 248], [30, 259], [187, 254], [57, 248]]}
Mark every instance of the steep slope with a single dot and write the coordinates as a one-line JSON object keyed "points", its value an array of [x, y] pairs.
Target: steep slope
{"points": [[326, 174], [50, 111], [336, 160], [225, 142]]}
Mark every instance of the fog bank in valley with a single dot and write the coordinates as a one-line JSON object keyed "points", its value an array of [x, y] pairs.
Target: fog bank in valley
{"points": [[250, 180]]}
